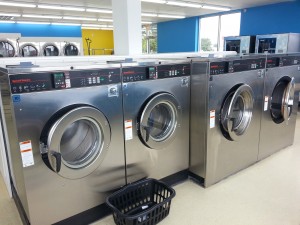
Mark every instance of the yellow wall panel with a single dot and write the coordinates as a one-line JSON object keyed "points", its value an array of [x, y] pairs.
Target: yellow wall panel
{"points": [[102, 41]]}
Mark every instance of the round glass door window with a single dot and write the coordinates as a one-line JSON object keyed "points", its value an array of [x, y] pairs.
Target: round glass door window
{"points": [[282, 100], [29, 51], [50, 50], [236, 112], [159, 121], [7, 49], [77, 142], [71, 50]]}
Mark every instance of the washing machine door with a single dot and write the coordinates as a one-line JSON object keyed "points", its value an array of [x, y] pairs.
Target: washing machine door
{"points": [[236, 112], [159, 121], [77, 142], [282, 100]]}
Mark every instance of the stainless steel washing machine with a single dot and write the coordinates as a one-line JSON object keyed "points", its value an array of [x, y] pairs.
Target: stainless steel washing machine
{"points": [[226, 104], [29, 49], [65, 139], [8, 48], [156, 101], [280, 105], [50, 49]]}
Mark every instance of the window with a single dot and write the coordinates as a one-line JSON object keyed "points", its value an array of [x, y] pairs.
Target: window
{"points": [[214, 29], [149, 33]]}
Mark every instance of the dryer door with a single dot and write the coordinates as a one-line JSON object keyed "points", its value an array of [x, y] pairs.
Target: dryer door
{"points": [[283, 100], [29, 50], [159, 121], [77, 142], [236, 113], [50, 50], [7, 49], [71, 50]]}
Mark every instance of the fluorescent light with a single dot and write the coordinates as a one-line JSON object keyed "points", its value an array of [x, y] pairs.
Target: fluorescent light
{"points": [[105, 20], [10, 14], [220, 8], [91, 28], [184, 4], [25, 5], [41, 16], [79, 18], [93, 25], [99, 10], [67, 24], [7, 21], [107, 28], [145, 22], [155, 1], [60, 7], [149, 14], [32, 22], [170, 16]]}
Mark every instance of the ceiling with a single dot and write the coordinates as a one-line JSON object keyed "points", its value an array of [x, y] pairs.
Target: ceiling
{"points": [[147, 7]]}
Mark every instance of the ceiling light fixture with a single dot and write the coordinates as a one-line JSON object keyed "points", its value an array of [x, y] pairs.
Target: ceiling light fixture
{"points": [[214, 7], [146, 22], [67, 24], [32, 22], [60, 7], [108, 11], [16, 4], [41, 16], [10, 14], [91, 28], [93, 25], [106, 28], [155, 1], [7, 21], [105, 20], [149, 14], [170, 16], [79, 18], [184, 4]]}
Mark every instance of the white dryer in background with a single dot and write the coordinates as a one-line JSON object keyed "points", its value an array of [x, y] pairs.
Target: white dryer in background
{"points": [[72, 48], [8, 44], [50, 49], [29, 47]]}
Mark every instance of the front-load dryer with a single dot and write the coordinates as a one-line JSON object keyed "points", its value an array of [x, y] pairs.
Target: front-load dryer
{"points": [[71, 49], [65, 140], [29, 49], [226, 104], [156, 101], [50, 49], [280, 104], [8, 48]]}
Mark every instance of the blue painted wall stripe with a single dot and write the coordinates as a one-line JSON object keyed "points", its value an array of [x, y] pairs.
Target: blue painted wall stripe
{"points": [[178, 36], [270, 19], [41, 30]]}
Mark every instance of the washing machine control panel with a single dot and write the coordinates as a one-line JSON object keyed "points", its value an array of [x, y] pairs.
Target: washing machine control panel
{"points": [[289, 60], [217, 68], [134, 74], [272, 62], [246, 65], [37, 82]]}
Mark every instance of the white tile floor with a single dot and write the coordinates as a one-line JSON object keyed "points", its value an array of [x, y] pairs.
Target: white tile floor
{"points": [[267, 193]]}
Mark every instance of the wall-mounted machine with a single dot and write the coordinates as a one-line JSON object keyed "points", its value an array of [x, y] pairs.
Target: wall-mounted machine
{"points": [[71, 48], [240, 44], [278, 43], [156, 112], [8, 48], [29, 49], [65, 140], [280, 104], [50, 49], [226, 104]]}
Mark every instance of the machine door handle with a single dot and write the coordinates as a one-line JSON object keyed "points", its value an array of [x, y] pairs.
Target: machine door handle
{"points": [[147, 129], [57, 157]]}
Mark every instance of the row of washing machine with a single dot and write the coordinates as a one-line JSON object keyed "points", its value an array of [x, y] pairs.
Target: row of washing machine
{"points": [[75, 133], [14, 48]]}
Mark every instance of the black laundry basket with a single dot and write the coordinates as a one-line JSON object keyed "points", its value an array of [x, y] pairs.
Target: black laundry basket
{"points": [[145, 202]]}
